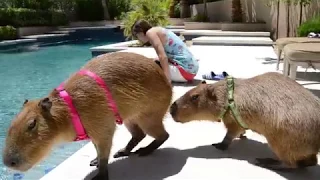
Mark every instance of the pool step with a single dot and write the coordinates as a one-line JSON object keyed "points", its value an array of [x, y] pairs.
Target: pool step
{"points": [[61, 32], [224, 33], [232, 41], [16, 42], [89, 28], [44, 36], [174, 27]]}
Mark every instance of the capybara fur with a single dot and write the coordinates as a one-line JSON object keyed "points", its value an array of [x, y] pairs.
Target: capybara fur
{"points": [[141, 92], [271, 104]]}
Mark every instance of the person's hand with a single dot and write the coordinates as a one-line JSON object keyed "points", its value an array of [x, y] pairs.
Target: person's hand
{"points": [[168, 77]]}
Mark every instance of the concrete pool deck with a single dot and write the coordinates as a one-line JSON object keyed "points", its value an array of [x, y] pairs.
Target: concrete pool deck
{"points": [[188, 153]]}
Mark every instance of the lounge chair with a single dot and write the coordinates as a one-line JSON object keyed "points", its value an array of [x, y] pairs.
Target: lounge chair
{"points": [[282, 42], [300, 54]]}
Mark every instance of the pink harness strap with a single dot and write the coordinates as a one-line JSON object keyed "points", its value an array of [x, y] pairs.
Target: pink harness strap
{"points": [[111, 103], [81, 133]]}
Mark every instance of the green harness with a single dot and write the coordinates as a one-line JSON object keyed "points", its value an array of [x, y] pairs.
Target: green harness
{"points": [[230, 105]]}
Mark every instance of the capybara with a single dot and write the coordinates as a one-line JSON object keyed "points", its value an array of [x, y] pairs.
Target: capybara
{"points": [[271, 104], [138, 87]]}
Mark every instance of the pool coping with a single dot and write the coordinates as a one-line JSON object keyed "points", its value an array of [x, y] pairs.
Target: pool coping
{"points": [[114, 47], [17, 41], [61, 32]]}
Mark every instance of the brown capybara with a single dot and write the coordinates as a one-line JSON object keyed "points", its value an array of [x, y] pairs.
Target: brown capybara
{"points": [[275, 106], [141, 92]]}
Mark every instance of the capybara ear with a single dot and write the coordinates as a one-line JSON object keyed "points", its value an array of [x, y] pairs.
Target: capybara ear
{"points": [[211, 93], [45, 104], [25, 101], [203, 82]]}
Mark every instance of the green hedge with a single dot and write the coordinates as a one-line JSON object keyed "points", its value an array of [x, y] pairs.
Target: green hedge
{"points": [[201, 1], [89, 10], [117, 7], [8, 33], [20, 17], [312, 25]]}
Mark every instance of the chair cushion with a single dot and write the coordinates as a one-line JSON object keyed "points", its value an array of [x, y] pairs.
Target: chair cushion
{"points": [[282, 42], [302, 52]]}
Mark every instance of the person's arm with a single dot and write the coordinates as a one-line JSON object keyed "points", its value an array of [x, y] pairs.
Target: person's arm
{"points": [[157, 45]]}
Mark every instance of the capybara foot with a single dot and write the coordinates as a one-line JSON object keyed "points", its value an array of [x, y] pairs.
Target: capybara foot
{"points": [[221, 146], [268, 161], [143, 151], [94, 162], [121, 153], [272, 164], [151, 147], [242, 136]]}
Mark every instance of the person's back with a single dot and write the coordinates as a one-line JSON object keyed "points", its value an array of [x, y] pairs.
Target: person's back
{"points": [[178, 52]]}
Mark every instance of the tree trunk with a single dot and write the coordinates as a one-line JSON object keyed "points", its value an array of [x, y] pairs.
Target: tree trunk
{"points": [[171, 8], [300, 15], [185, 9], [278, 14], [237, 11], [106, 14], [205, 12], [288, 19]]}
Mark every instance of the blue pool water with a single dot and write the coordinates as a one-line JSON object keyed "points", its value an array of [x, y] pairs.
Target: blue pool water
{"points": [[32, 74]]}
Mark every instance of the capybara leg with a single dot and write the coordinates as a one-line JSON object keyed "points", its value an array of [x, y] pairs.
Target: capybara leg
{"points": [[232, 132], [94, 162], [268, 161], [156, 130], [103, 157], [311, 160], [288, 158], [137, 136], [243, 136]]}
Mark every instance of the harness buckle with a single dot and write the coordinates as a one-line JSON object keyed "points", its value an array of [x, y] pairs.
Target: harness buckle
{"points": [[81, 137]]}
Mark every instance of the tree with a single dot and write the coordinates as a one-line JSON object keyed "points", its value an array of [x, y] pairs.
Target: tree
{"points": [[302, 3], [105, 10], [205, 11], [237, 15], [171, 8], [185, 9]]}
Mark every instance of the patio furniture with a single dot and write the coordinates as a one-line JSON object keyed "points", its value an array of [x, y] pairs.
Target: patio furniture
{"points": [[300, 54], [282, 42]]}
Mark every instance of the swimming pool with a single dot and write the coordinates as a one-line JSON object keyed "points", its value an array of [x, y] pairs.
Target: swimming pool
{"points": [[31, 73]]}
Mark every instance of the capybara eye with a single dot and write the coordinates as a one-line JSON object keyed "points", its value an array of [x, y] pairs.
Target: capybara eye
{"points": [[32, 125], [194, 97], [25, 101]]}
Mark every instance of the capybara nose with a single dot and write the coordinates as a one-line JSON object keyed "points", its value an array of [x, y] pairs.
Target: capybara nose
{"points": [[173, 109], [11, 161]]}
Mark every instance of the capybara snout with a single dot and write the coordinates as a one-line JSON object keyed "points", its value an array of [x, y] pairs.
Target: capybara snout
{"points": [[29, 126], [12, 159], [173, 109]]}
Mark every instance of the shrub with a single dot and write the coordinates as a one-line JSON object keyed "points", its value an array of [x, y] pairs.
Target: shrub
{"points": [[155, 12], [117, 7], [200, 18], [89, 10], [312, 25], [177, 10], [8, 33], [19, 17]]}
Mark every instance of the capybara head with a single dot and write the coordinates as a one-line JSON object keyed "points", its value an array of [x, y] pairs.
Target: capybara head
{"points": [[30, 136], [199, 103]]}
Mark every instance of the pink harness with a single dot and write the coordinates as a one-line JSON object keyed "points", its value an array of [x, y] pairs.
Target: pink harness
{"points": [[81, 133]]}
